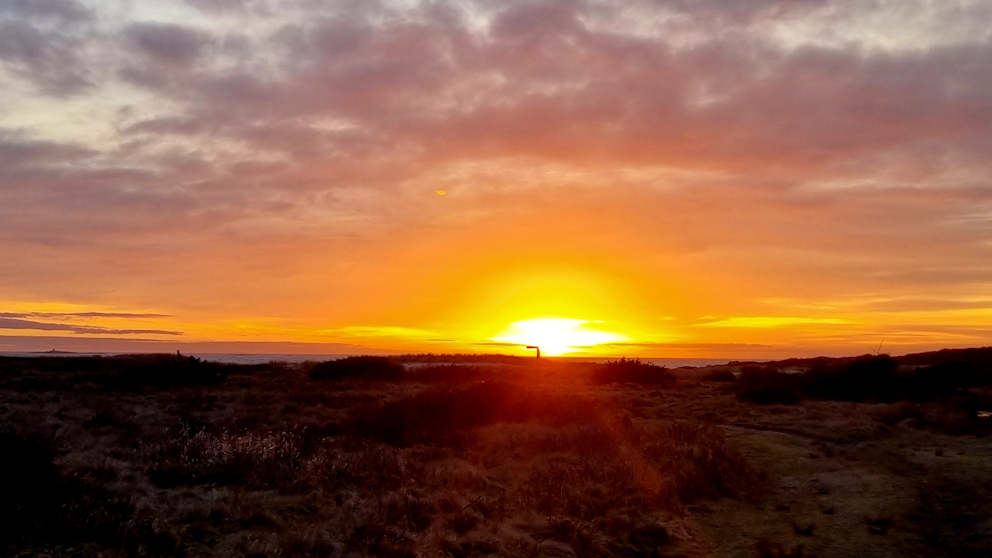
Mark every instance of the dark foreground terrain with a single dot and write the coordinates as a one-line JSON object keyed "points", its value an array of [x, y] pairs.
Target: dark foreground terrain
{"points": [[165, 455]]}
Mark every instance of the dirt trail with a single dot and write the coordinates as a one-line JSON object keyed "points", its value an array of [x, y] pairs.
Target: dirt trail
{"points": [[909, 493]]}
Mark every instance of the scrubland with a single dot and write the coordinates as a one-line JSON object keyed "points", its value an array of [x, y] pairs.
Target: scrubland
{"points": [[439, 456]]}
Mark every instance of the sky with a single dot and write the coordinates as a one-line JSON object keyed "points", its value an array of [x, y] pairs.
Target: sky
{"points": [[704, 178]]}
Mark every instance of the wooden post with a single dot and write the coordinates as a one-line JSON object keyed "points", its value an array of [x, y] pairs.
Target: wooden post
{"points": [[538, 350]]}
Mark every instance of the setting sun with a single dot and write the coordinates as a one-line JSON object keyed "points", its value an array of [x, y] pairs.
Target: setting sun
{"points": [[557, 336]]}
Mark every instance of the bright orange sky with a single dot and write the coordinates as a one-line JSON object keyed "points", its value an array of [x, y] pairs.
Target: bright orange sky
{"points": [[713, 179]]}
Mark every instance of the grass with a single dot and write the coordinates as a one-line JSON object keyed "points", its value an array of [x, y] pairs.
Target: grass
{"points": [[133, 458], [442, 415], [39, 505], [515, 458]]}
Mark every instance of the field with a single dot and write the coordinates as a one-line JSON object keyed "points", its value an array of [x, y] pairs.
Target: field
{"points": [[166, 455]]}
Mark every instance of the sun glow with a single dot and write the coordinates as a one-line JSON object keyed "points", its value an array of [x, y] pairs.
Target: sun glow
{"points": [[557, 336]]}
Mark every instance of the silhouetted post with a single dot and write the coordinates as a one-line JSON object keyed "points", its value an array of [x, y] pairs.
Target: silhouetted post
{"points": [[538, 350]]}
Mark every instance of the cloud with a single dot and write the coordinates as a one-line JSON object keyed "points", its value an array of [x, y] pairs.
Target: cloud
{"points": [[65, 315], [49, 59], [43, 41], [751, 322], [846, 141], [61, 11], [231, 6], [167, 43], [14, 323], [546, 84], [20, 152]]}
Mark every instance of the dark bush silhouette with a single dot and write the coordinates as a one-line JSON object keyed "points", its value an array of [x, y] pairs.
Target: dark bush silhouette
{"points": [[867, 377], [879, 378], [159, 370], [949, 378], [766, 386], [358, 368], [633, 371], [720, 376]]}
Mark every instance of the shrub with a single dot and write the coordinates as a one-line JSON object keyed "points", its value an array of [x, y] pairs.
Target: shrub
{"points": [[950, 378], [720, 376], [160, 370], [633, 371], [358, 368], [766, 387], [867, 377]]}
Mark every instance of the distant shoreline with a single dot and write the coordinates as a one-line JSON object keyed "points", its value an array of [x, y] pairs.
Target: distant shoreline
{"points": [[983, 354], [262, 358]]}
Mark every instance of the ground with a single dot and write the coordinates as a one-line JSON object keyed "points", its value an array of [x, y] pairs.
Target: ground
{"points": [[508, 457]]}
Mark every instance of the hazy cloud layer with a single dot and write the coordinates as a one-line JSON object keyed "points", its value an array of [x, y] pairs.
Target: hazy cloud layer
{"points": [[14, 323], [848, 142]]}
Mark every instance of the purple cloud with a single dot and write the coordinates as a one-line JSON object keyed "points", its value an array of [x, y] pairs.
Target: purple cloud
{"points": [[167, 43]]}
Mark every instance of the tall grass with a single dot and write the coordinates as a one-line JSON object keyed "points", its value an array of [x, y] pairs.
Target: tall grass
{"points": [[444, 414], [252, 459]]}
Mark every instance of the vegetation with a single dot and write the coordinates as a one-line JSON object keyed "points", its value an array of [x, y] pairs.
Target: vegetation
{"points": [[869, 378], [719, 376], [275, 460], [632, 371], [166, 455], [358, 368]]}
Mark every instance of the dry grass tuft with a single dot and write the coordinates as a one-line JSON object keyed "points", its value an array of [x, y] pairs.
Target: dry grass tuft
{"points": [[879, 524], [766, 548], [806, 529]]}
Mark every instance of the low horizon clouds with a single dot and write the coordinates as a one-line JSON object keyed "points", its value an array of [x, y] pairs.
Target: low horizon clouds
{"points": [[16, 323]]}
